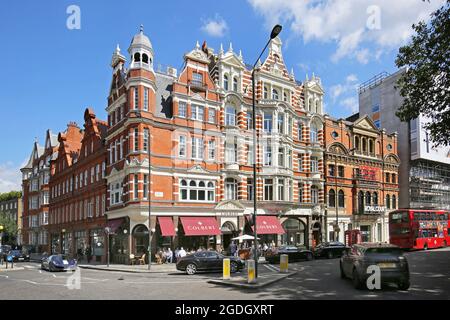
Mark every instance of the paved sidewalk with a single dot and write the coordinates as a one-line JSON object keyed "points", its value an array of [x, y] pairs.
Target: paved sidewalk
{"points": [[17, 267], [262, 281], [155, 268]]}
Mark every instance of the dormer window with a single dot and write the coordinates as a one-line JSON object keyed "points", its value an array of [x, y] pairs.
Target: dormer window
{"points": [[235, 84], [197, 78], [225, 82]]}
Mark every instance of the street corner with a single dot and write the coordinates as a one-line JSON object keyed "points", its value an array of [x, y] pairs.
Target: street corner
{"points": [[262, 281]]}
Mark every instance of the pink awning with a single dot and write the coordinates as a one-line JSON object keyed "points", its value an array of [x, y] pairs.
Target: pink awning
{"points": [[200, 226], [268, 225], [167, 227]]}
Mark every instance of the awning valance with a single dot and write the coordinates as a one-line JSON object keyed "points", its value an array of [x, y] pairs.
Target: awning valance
{"points": [[200, 226]]}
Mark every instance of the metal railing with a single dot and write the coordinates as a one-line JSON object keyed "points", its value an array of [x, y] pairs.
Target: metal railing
{"points": [[372, 82]]}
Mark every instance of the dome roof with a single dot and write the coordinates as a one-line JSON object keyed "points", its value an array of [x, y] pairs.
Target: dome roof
{"points": [[141, 40]]}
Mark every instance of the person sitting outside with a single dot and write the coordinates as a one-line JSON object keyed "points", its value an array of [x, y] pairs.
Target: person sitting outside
{"points": [[169, 255], [182, 253]]}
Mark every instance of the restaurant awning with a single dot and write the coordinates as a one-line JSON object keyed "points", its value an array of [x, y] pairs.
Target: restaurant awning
{"points": [[166, 226], [268, 225], [200, 226], [114, 225]]}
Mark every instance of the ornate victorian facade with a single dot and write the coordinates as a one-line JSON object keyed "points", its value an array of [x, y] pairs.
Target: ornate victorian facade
{"points": [[196, 128], [361, 178]]}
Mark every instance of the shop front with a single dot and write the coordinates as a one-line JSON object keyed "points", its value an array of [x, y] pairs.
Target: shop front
{"points": [[268, 229], [198, 233], [119, 237], [164, 234]]}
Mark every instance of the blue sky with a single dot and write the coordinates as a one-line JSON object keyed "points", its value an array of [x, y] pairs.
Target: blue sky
{"points": [[50, 74]]}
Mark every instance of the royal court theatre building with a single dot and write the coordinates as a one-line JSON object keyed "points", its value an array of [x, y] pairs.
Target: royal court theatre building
{"points": [[183, 141], [362, 168]]}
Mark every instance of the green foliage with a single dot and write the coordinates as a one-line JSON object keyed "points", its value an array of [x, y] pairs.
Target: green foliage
{"points": [[10, 195], [425, 85], [9, 225]]}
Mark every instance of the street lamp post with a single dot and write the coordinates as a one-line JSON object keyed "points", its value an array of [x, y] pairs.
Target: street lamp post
{"points": [[149, 202], [275, 32]]}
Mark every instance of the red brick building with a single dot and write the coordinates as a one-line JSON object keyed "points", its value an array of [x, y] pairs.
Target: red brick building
{"points": [[35, 188], [361, 177], [196, 128], [78, 191]]}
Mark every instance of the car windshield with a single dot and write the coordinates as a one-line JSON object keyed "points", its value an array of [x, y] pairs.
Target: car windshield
{"points": [[392, 251]]}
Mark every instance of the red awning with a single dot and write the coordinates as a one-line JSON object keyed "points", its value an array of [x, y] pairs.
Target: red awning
{"points": [[200, 226], [167, 227], [268, 225], [114, 224]]}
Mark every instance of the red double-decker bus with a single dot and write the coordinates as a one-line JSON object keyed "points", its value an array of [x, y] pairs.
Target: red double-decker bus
{"points": [[419, 229]]}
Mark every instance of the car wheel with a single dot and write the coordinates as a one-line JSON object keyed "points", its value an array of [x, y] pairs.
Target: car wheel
{"points": [[342, 271], [330, 255], [404, 285], [356, 281], [234, 267], [191, 269]]}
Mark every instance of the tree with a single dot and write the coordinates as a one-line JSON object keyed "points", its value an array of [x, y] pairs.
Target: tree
{"points": [[9, 228], [425, 85]]}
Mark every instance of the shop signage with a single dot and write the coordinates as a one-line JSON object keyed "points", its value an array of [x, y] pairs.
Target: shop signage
{"points": [[201, 227], [374, 209]]}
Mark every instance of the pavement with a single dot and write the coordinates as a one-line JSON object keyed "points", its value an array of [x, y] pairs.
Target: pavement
{"points": [[155, 268], [263, 280], [314, 280]]}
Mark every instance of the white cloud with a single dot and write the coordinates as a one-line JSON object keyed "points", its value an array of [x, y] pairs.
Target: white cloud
{"points": [[351, 104], [351, 24], [10, 177], [348, 87], [216, 27]]}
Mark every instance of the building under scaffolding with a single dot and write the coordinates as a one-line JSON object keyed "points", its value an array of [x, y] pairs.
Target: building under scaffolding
{"points": [[424, 172], [429, 185]]}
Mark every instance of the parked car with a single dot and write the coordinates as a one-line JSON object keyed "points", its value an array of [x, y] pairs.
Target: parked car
{"points": [[389, 258], [19, 255], [294, 254], [58, 263], [330, 250], [207, 261]]}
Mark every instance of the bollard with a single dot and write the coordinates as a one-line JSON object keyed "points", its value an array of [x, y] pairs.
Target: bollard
{"points": [[284, 263], [226, 269], [251, 271]]}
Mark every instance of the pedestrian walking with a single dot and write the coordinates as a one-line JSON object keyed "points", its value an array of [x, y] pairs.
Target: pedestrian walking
{"points": [[233, 249]]}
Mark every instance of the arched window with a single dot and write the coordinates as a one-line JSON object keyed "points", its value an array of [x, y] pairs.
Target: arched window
{"points": [[235, 84], [388, 201], [225, 82], [314, 132], [361, 202], [137, 57], [275, 95], [375, 198], [364, 144], [357, 143], [368, 198], [341, 199], [266, 93], [371, 146], [145, 58], [394, 201], [332, 198], [231, 189], [314, 194]]}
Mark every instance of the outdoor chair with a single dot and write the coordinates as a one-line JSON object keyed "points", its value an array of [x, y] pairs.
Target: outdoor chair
{"points": [[142, 259]]}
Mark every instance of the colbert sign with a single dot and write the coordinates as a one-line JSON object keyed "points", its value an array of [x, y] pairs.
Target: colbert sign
{"points": [[201, 227], [374, 209]]}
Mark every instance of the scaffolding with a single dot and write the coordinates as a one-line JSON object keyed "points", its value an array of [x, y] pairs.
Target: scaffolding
{"points": [[429, 185]]}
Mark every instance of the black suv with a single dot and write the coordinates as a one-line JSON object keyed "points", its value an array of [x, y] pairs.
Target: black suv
{"points": [[393, 265]]}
